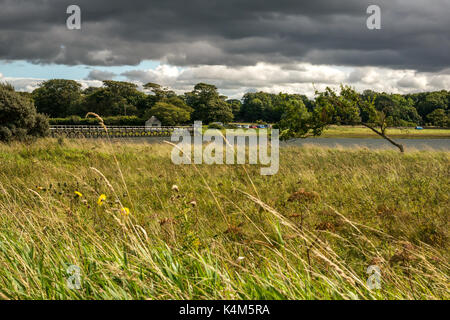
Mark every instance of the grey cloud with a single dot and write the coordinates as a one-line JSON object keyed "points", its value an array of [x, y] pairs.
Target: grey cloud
{"points": [[410, 83], [414, 33], [100, 75]]}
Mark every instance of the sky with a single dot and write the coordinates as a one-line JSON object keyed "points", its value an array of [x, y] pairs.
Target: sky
{"points": [[238, 45]]}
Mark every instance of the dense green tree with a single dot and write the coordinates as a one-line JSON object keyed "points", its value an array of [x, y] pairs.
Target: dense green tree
{"points": [[208, 105], [57, 97], [253, 109], [399, 110], [426, 102], [90, 90], [298, 122], [19, 119], [431, 102], [169, 114], [254, 106], [114, 98], [439, 118], [102, 102], [235, 105], [125, 96], [269, 107]]}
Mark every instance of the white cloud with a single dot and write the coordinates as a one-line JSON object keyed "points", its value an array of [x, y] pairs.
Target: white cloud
{"points": [[22, 84], [30, 84], [291, 78]]}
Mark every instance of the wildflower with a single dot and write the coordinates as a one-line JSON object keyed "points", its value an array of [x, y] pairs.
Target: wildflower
{"points": [[101, 199], [125, 211], [39, 188], [196, 243], [239, 259], [175, 188], [78, 194]]}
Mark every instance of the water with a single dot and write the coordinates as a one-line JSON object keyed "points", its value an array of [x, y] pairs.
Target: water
{"points": [[414, 144], [417, 144]]}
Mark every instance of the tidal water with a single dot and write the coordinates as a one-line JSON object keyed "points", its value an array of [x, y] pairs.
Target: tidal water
{"points": [[417, 144], [410, 144]]}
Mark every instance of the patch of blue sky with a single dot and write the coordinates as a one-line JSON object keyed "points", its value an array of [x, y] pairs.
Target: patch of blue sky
{"points": [[24, 69]]}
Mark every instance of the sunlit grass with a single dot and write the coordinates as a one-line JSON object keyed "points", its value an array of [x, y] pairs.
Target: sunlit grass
{"points": [[223, 232]]}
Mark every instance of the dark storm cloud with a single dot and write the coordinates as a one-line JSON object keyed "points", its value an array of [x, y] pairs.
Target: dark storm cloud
{"points": [[414, 34]]}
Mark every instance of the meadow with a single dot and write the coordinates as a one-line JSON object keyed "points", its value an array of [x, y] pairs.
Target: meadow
{"points": [[140, 227]]}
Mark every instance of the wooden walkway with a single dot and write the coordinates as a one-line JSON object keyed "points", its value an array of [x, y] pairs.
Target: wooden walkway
{"points": [[113, 131]]}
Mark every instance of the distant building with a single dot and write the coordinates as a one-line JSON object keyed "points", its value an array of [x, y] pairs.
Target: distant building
{"points": [[153, 122]]}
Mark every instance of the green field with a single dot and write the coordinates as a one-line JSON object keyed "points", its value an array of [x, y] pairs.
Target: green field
{"points": [[221, 232], [398, 133]]}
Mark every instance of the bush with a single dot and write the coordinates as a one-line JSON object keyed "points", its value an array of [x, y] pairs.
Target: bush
{"points": [[215, 126], [19, 119], [41, 127]]}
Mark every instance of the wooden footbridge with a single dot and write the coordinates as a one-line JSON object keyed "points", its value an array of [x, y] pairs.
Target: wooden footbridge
{"points": [[113, 131]]}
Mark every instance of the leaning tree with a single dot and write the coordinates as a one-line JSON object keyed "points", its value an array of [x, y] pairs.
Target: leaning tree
{"points": [[347, 107]]}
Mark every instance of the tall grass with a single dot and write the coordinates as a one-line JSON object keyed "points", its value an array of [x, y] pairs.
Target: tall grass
{"points": [[221, 232]]}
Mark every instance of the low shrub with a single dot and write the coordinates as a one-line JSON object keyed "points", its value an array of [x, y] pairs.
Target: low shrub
{"points": [[19, 119]]}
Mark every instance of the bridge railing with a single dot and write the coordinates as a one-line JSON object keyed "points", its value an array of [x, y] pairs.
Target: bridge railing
{"points": [[86, 127], [85, 131]]}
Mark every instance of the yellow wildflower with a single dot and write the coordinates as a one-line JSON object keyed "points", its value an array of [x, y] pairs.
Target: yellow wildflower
{"points": [[101, 199], [196, 243], [125, 211], [78, 194]]}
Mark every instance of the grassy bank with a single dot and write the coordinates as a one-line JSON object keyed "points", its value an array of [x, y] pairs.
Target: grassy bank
{"points": [[398, 133], [221, 232]]}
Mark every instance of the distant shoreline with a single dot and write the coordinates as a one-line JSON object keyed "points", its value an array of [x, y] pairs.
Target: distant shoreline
{"points": [[396, 133]]}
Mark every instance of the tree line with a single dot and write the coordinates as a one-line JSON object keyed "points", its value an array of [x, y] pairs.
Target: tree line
{"points": [[65, 98], [25, 115], [60, 98]]}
